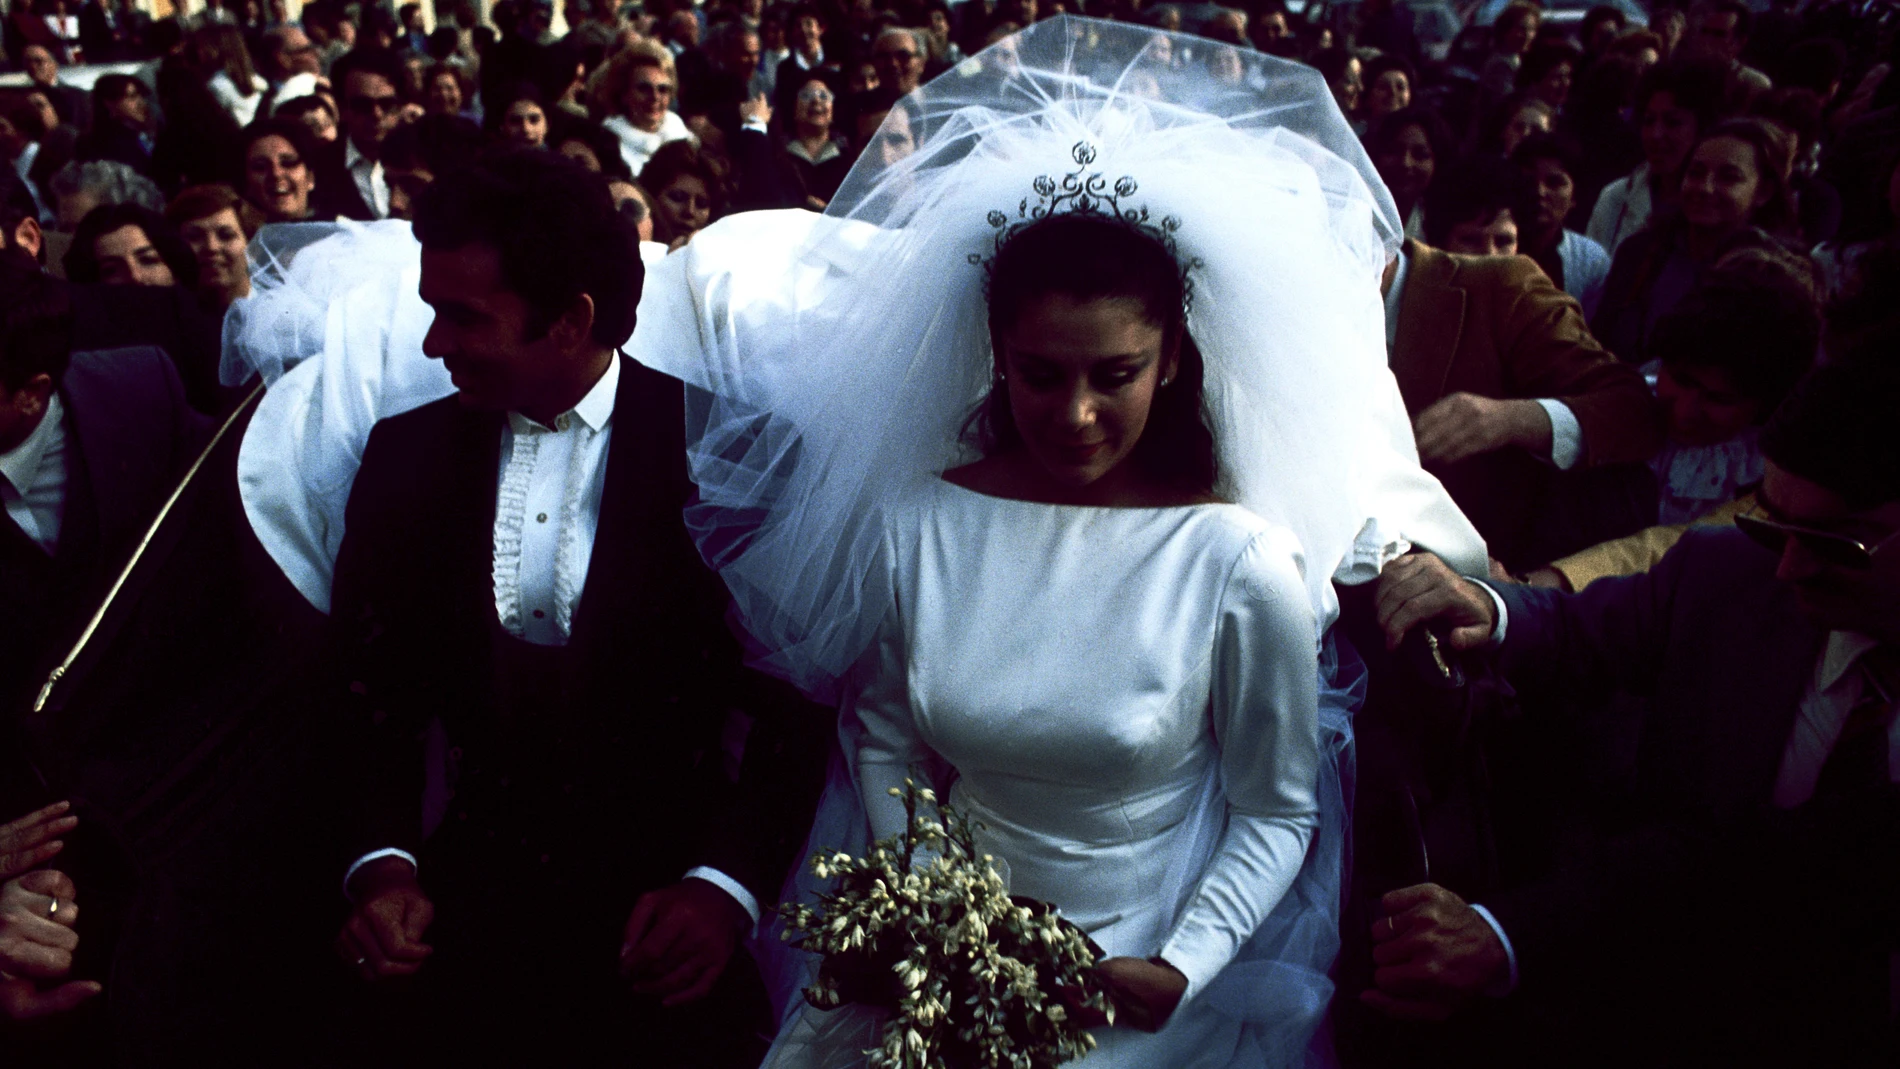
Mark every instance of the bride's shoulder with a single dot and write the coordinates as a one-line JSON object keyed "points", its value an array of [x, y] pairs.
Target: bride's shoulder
{"points": [[1265, 555]]}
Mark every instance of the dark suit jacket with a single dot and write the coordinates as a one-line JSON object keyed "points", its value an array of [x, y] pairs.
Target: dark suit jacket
{"points": [[1759, 928], [337, 187], [1496, 327], [167, 317], [615, 787]]}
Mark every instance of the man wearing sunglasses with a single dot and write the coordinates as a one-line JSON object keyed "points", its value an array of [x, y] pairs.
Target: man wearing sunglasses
{"points": [[1735, 902], [368, 81]]}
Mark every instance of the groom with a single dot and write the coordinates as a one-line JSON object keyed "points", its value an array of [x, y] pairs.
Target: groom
{"points": [[555, 858]]}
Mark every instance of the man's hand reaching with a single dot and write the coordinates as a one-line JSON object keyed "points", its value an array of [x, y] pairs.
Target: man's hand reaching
{"points": [[679, 940]]}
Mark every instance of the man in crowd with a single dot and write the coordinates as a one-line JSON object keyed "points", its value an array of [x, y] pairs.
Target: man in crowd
{"points": [[569, 646], [287, 52], [1517, 408], [71, 102], [1719, 29], [1738, 905], [368, 82], [899, 56]]}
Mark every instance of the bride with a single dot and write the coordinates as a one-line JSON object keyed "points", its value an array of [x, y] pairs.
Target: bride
{"points": [[1039, 453]]}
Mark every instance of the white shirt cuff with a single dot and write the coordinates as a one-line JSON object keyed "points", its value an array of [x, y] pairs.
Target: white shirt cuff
{"points": [[730, 886], [1510, 955], [375, 855], [754, 123], [1566, 434], [1504, 614]]}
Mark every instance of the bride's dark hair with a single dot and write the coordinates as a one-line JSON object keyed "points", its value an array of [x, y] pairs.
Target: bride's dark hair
{"points": [[1095, 257]]}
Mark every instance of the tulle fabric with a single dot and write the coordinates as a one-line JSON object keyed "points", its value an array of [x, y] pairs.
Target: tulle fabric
{"points": [[837, 356], [1277, 987], [334, 325]]}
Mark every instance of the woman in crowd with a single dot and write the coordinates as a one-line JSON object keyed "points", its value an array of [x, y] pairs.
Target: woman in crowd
{"points": [[1547, 165], [1547, 72], [445, 90], [1518, 117], [634, 98], [221, 54], [217, 225], [131, 245], [1390, 84], [280, 177], [688, 189], [1674, 103], [519, 116], [1511, 36], [121, 123], [1408, 147], [1733, 194], [1344, 77], [1721, 362], [815, 159]]}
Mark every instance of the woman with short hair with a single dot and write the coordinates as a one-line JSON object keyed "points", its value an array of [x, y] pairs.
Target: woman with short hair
{"points": [[633, 95], [130, 245], [217, 225], [279, 175], [688, 189]]}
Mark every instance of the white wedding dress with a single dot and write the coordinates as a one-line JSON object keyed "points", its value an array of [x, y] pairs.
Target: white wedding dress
{"points": [[1125, 700]]}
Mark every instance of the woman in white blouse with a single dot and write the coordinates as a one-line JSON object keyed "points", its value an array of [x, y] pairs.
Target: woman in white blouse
{"points": [[219, 49], [634, 97]]}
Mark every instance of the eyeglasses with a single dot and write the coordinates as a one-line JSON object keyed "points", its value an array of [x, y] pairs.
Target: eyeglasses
{"points": [[1828, 547], [814, 95], [905, 56], [368, 105], [651, 89]]}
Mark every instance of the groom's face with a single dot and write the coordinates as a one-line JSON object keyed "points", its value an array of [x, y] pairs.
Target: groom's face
{"points": [[481, 332]]}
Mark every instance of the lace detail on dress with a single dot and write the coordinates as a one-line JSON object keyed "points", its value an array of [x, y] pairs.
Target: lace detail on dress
{"points": [[511, 510]]}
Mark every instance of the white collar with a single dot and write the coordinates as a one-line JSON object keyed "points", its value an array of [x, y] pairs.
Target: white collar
{"points": [[1394, 296], [809, 64], [1842, 652], [21, 464], [594, 410], [828, 151], [352, 155]]}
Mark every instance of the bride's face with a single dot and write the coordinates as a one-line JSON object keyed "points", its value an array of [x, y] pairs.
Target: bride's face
{"points": [[1082, 376]]}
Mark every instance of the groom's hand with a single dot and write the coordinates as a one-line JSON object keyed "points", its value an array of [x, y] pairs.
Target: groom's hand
{"points": [[679, 940]]}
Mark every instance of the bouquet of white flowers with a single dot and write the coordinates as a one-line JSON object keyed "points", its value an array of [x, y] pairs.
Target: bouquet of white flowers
{"points": [[925, 930]]}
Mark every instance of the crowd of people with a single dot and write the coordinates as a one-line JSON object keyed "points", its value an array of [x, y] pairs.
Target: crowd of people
{"points": [[1644, 317]]}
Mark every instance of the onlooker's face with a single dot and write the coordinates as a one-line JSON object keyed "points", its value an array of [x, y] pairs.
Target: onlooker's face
{"points": [[1224, 63], [1716, 33], [1600, 35], [864, 77], [1407, 166], [1271, 30], [1496, 236], [649, 98], [580, 152], [445, 95], [895, 140], [939, 26], [296, 54], [1554, 87], [525, 124], [218, 243], [1835, 597], [1515, 37], [1388, 93], [405, 186], [321, 123], [277, 179], [1556, 193], [683, 29], [742, 54], [1722, 184], [814, 105], [685, 206], [808, 35], [131, 107], [371, 109], [898, 60], [40, 65], [127, 257], [480, 333], [1668, 134], [42, 105], [1347, 87], [1705, 406], [1081, 376], [1522, 124]]}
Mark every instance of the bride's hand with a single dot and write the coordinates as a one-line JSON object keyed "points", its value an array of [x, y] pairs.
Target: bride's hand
{"points": [[1145, 993]]}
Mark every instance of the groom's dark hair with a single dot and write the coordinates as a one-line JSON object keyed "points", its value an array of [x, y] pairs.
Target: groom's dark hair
{"points": [[1093, 257], [554, 226]]}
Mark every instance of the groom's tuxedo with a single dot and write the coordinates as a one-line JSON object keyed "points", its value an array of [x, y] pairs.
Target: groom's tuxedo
{"points": [[578, 775]]}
